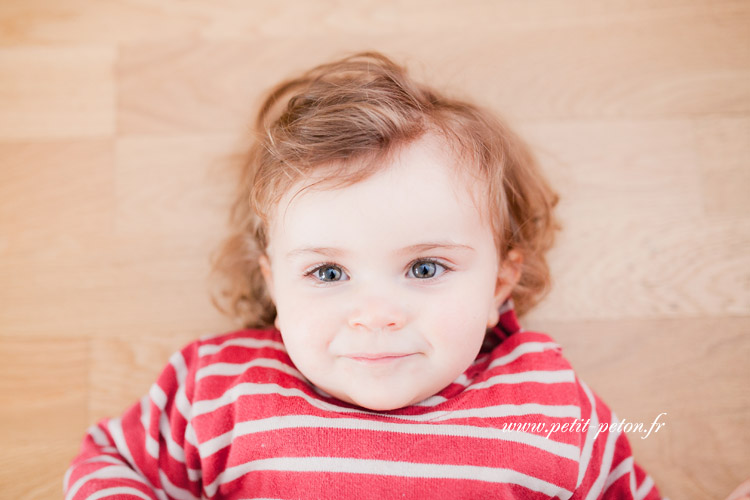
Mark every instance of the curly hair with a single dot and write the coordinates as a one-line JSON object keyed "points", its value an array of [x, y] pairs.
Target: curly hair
{"points": [[351, 114]]}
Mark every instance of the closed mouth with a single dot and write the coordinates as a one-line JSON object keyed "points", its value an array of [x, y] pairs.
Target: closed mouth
{"points": [[384, 357]]}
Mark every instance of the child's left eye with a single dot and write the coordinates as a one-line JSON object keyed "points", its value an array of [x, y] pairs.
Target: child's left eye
{"points": [[328, 273], [425, 269]]}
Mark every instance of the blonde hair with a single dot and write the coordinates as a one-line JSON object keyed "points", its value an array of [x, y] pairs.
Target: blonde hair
{"points": [[350, 115]]}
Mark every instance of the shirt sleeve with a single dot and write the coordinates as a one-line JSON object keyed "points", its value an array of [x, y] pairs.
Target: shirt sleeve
{"points": [[150, 452], [607, 469]]}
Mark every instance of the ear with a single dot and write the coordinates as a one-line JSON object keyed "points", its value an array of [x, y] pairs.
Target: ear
{"points": [[265, 270], [508, 275]]}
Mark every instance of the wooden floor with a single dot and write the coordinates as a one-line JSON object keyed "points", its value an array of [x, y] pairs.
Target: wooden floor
{"points": [[118, 119]]}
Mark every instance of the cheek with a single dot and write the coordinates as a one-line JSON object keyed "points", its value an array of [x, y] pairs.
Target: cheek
{"points": [[306, 337], [305, 320], [459, 319]]}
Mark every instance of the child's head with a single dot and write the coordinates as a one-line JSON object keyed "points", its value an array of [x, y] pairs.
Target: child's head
{"points": [[381, 225]]}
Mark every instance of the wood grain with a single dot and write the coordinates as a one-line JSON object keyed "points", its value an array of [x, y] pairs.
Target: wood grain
{"points": [[57, 92], [44, 387], [121, 121]]}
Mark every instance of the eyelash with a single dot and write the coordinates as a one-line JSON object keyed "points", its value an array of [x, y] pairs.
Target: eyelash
{"points": [[310, 273]]}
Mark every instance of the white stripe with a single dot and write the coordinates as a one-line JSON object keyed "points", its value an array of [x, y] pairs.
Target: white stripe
{"points": [[175, 491], [228, 369], [66, 478], [190, 436], [158, 396], [497, 411], [645, 488], [607, 455], [121, 471], [185, 409], [102, 458], [115, 430], [180, 400], [625, 467], [175, 450], [194, 475], [114, 426], [109, 449], [307, 421], [251, 343], [432, 401], [542, 377], [181, 403], [118, 490], [145, 412], [520, 350], [99, 458], [588, 445], [386, 468], [251, 389], [178, 363], [152, 446], [99, 436]]}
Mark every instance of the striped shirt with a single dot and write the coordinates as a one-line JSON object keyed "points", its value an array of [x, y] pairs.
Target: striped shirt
{"points": [[231, 417]]}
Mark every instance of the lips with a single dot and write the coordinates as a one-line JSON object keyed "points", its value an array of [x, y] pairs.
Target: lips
{"points": [[381, 357]]}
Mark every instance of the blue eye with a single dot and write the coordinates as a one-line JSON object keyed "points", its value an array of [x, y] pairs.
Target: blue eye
{"points": [[425, 269], [328, 273]]}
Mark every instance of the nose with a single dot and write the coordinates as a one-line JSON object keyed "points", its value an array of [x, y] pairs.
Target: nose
{"points": [[377, 313]]}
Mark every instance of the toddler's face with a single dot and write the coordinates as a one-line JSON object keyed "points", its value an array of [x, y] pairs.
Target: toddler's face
{"points": [[384, 289]]}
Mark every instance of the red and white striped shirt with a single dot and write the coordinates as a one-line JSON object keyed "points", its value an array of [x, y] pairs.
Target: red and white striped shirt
{"points": [[231, 417]]}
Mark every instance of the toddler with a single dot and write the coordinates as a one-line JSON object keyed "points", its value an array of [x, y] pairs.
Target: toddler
{"points": [[385, 240]]}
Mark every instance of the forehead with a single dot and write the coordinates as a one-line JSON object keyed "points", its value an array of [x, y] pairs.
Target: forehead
{"points": [[428, 156], [422, 189]]}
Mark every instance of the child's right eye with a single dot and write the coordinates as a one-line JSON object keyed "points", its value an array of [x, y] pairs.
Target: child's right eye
{"points": [[328, 273]]}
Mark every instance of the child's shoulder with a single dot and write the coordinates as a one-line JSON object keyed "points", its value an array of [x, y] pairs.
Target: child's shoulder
{"points": [[215, 363], [523, 350], [236, 346], [529, 358], [248, 335], [531, 347]]}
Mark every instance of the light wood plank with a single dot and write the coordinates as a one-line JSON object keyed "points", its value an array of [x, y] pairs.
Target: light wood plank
{"points": [[182, 185], [654, 268], [44, 387], [723, 145], [116, 21], [622, 70], [57, 92], [637, 240], [70, 237], [56, 216], [56, 200]]}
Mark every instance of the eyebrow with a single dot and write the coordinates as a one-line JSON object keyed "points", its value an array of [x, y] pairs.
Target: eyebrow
{"points": [[419, 247]]}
